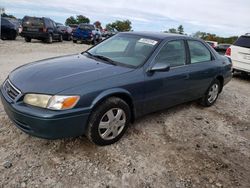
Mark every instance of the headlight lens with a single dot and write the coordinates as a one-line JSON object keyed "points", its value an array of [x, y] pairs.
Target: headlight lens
{"points": [[37, 100], [56, 102]]}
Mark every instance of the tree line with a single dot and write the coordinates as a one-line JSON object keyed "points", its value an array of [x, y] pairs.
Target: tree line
{"points": [[119, 25], [126, 25], [204, 35]]}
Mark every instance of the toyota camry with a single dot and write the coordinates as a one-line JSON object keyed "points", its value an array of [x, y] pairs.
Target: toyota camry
{"points": [[99, 92]]}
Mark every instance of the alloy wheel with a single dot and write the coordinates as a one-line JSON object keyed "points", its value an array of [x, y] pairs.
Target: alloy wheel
{"points": [[213, 93], [112, 123]]}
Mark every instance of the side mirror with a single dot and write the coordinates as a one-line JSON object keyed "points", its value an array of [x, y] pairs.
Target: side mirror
{"points": [[160, 67]]}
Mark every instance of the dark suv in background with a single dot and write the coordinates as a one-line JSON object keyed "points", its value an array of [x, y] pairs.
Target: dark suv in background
{"points": [[86, 33], [9, 30], [43, 29]]}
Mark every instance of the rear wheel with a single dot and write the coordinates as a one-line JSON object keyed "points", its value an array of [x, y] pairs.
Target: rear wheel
{"points": [[74, 41], [13, 35], [27, 39], [212, 94], [109, 121], [50, 39], [60, 38]]}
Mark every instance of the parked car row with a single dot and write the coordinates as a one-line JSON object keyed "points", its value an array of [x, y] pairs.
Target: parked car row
{"points": [[47, 30]]}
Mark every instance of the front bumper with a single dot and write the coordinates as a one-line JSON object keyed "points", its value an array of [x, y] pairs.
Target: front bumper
{"points": [[45, 123]]}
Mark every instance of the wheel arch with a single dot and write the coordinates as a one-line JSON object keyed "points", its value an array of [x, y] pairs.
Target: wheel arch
{"points": [[119, 93], [221, 80]]}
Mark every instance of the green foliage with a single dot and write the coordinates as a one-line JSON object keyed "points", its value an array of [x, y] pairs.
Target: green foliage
{"points": [[214, 37], [79, 19], [124, 25], [179, 30], [70, 20], [8, 15], [82, 19], [172, 30]]}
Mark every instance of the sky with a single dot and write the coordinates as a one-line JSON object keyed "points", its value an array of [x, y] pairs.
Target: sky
{"points": [[222, 17]]}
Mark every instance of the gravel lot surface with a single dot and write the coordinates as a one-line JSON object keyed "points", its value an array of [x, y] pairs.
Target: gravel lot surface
{"points": [[185, 146]]}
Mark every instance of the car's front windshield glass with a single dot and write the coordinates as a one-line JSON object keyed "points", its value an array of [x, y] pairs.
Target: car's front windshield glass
{"points": [[128, 50]]}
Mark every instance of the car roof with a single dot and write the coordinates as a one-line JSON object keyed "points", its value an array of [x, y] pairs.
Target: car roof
{"points": [[156, 35]]}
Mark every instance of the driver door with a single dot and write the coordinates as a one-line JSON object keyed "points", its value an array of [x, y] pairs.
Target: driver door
{"points": [[167, 88]]}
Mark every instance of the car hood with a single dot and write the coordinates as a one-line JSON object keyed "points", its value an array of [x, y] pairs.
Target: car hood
{"points": [[51, 76]]}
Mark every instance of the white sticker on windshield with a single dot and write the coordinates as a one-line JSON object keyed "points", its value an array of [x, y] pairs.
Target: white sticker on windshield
{"points": [[148, 41]]}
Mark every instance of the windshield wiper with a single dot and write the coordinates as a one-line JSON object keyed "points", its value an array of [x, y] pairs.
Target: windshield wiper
{"points": [[105, 59], [110, 61]]}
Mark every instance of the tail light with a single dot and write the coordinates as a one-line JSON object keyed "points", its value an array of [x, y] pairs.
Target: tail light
{"points": [[228, 52]]}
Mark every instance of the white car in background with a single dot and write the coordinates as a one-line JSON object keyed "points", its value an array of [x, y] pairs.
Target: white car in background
{"points": [[239, 53]]}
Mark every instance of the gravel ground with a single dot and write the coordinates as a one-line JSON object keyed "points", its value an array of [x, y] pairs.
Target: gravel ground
{"points": [[185, 146]]}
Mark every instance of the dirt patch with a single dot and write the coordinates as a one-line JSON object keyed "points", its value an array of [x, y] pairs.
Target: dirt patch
{"points": [[184, 146]]}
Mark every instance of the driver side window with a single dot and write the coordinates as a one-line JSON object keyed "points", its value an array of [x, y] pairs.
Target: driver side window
{"points": [[172, 53]]}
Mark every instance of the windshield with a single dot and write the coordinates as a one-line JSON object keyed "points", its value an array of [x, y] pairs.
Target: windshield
{"points": [[32, 21], [86, 27], [127, 50]]}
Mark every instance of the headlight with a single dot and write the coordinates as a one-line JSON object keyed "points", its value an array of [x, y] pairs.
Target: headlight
{"points": [[56, 102], [37, 100]]}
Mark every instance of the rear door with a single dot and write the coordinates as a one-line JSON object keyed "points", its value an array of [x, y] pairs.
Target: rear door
{"points": [[56, 31], [202, 69], [240, 54]]}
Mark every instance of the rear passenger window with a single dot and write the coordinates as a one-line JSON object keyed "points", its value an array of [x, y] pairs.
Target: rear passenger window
{"points": [[172, 53], [198, 52]]}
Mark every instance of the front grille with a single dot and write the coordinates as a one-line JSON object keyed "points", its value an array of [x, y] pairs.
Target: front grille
{"points": [[12, 92]]}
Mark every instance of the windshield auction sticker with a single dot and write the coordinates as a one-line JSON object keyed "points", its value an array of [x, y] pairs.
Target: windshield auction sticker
{"points": [[148, 41]]}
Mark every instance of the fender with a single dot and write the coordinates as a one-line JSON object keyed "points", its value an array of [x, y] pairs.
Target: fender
{"points": [[108, 93]]}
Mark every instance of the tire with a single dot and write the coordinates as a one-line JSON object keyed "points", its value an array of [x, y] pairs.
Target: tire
{"points": [[13, 35], [94, 40], [27, 39], [115, 110], [60, 38], [212, 94], [244, 74], [74, 41], [50, 39]]}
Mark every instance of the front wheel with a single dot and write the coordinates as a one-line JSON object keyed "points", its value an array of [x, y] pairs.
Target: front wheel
{"points": [[27, 39], [212, 94], [109, 121]]}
